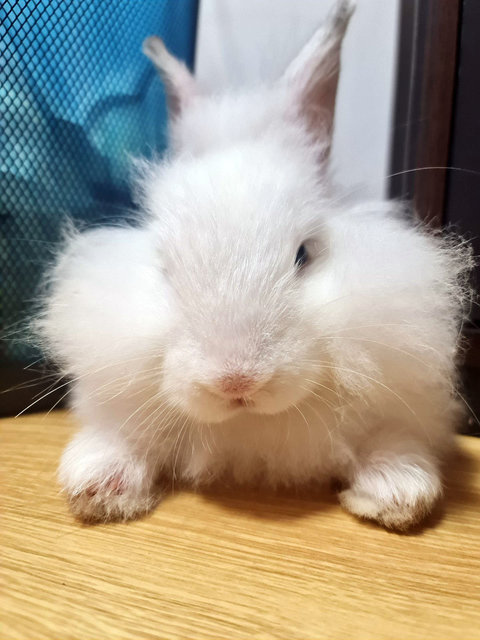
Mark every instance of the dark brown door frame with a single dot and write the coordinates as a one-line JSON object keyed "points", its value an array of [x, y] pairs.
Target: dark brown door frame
{"points": [[428, 107], [425, 88]]}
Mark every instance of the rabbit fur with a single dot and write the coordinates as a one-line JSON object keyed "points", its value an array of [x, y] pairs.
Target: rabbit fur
{"points": [[200, 346]]}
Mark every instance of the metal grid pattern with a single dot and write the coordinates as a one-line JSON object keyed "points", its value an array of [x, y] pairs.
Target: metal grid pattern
{"points": [[77, 99]]}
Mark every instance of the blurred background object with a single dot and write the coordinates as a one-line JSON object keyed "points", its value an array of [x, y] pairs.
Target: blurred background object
{"points": [[77, 100]]}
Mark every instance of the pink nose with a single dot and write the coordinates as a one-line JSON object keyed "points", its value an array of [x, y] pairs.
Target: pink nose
{"points": [[236, 384]]}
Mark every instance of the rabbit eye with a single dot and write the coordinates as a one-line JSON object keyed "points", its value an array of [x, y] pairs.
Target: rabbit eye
{"points": [[301, 257]]}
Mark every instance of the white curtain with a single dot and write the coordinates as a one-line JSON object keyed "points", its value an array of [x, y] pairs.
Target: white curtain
{"points": [[241, 42]]}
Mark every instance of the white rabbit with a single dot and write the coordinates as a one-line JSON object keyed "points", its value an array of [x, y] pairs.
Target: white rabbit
{"points": [[256, 323]]}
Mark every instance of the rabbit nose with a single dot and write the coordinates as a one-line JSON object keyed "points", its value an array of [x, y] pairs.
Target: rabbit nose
{"points": [[237, 385]]}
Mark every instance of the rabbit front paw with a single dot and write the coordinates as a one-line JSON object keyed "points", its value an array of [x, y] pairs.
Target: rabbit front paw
{"points": [[397, 495], [104, 482]]}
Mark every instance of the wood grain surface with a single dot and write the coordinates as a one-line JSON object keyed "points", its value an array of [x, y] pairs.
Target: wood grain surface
{"points": [[228, 564]]}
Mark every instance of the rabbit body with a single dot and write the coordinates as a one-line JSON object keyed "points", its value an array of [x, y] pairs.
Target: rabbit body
{"points": [[257, 324]]}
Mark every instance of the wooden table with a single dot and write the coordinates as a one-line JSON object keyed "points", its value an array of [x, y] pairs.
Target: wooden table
{"points": [[230, 564]]}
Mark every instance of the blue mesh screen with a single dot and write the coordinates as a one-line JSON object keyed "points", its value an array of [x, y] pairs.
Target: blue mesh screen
{"points": [[77, 99]]}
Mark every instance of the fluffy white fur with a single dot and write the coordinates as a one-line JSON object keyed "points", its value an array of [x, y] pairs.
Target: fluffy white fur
{"points": [[352, 357]]}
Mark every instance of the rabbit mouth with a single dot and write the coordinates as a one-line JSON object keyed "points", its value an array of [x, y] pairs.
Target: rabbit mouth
{"points": [[239, 403]]}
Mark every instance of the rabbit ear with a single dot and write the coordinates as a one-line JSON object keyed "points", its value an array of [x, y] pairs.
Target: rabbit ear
{"points": [[312, 77], [179, 83]]}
